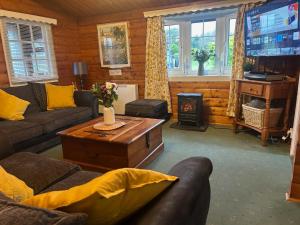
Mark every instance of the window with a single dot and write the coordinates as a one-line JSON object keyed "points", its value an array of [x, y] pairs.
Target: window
{"points": [[29, 51], [173, 46], [230, 43], [212, 31], [204, 37]]}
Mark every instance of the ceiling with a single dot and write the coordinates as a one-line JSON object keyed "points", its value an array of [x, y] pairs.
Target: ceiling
{"points": [[82, 8]]}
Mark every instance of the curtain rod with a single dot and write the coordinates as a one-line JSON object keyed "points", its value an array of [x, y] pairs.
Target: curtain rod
{"points": [[29, 17], [198, 6]]}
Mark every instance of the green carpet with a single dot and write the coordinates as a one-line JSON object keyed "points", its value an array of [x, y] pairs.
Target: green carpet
{"points": [[248, 182]]}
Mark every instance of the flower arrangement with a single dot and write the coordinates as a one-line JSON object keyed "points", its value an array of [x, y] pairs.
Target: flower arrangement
{"points": [[106, 93], [201, 56]]}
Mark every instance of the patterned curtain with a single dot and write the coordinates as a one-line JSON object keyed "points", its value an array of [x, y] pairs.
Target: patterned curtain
{"points": [[238, 57], [156, 78]]}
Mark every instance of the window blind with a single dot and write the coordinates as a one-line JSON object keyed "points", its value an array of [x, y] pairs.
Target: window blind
{"points": [[29, 51]]}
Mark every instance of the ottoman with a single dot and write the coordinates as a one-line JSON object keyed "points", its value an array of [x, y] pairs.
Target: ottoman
{"points": [[148, 108]]}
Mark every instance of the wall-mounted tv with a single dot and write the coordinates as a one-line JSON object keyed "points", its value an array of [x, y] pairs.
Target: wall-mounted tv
{"points": [[273, 29]]}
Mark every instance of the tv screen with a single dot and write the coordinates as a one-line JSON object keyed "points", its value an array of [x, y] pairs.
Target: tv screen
{"points": [[273, 29]]}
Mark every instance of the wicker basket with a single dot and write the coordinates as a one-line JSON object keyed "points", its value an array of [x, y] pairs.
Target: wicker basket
{"points": [[255, 117]]}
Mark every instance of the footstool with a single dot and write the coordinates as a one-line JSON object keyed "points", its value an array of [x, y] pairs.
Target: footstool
{"points": [[148, 108]]}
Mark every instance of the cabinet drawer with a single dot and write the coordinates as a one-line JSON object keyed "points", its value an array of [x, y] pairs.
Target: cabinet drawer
{"points": [[253, 89]]}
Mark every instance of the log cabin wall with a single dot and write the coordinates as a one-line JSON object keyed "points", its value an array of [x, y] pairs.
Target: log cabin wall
{"points": [[65, 38], [215, 93]]}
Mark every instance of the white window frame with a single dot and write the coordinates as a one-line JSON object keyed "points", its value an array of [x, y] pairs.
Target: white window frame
{"points": [[49, 49], [227, 68], [222, 35], [180, 69]]}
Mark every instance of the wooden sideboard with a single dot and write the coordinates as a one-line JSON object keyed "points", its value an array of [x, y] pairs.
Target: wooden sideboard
{"points": [[276, 90]]}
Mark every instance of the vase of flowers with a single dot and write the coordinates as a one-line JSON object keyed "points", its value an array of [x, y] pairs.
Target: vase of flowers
{"points": [[106, 94], [201, 56]]}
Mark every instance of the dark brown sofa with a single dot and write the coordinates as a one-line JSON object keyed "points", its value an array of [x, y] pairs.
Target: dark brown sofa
{"points": [[186, 202], [37, 131]]}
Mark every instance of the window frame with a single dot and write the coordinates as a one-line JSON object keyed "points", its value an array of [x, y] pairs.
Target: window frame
{"points": [[180, 69], [222, 40], [49, 52]]}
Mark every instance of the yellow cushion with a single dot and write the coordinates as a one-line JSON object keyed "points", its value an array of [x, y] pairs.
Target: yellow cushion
{"points": [[109, 198], [12, 108], [13, 187], [59, 96]]}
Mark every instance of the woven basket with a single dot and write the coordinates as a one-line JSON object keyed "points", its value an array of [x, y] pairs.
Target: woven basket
{"points": [[255, 117]]}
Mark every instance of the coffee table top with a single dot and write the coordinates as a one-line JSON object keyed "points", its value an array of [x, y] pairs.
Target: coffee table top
{"points": [[135, 127]]}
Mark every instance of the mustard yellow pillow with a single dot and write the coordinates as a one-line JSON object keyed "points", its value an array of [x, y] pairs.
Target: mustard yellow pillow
{"points": [[13, 187], [109, 198], [59, 96], [12, 108]]}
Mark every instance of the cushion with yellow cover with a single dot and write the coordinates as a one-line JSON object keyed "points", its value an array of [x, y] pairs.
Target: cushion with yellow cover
{"points": [[13, 187], [109, 198], [59, 96], [12, 108]]}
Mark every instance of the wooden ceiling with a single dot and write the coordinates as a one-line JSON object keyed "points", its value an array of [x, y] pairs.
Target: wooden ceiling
{"points": [[83, 8]]}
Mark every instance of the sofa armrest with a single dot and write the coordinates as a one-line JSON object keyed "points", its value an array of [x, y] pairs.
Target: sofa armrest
{"points": [[186, 202], [87, 99]]}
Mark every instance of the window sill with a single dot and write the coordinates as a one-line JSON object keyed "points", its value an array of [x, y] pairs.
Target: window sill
{"points": [[206, 78]]}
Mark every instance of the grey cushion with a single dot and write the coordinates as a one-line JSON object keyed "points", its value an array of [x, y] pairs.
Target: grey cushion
{"points": [[25, 93], [40, 94], [12, 213], [6, 148], [38, 172], [60, 118], [78, 178], [18, 131]]}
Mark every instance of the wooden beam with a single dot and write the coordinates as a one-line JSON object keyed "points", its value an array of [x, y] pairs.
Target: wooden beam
{"points": [[198, 6]]}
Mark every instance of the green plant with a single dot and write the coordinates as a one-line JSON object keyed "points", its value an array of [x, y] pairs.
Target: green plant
{"points": [[248, 66], [201, 55], [106, 93]]}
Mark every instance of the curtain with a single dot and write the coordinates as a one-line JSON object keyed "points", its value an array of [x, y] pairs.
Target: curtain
{"points": [[238, 57], [156, 75]]}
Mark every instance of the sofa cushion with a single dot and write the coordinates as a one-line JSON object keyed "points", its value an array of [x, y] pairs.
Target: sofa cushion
{"points": [[107, 199], [6, 147], [12, 213], [12, 107], [38, 172], [75, 179], [13, 187], [60, 118], [25, 93], [59, 97], [40, 94], [18, 131]]}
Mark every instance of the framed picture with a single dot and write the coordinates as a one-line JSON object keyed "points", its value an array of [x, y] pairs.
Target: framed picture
{"points": [[114, 45]]}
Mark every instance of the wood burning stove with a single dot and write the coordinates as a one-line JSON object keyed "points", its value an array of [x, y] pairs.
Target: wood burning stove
{"points": [[190, 109]]}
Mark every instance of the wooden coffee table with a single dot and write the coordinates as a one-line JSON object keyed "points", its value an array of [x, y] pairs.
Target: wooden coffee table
{"points": [[133, 145]]}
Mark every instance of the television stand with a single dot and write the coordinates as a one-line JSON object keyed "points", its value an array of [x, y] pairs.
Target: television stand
{"points": [[268, 91]]}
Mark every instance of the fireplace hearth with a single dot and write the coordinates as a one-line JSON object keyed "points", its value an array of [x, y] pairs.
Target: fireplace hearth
{"points": [[190, 112]]}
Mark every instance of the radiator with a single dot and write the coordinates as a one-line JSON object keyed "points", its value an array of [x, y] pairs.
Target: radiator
{"points": [[127, 93]]}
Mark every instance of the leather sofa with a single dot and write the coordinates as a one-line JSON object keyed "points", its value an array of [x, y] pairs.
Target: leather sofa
{"points": [[186, 202], [37, 131]]}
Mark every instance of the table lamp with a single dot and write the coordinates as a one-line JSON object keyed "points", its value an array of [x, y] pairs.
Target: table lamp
{"points": [[80, 69]]}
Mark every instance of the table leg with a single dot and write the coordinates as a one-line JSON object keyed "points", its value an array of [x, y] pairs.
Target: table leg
{"points": [[265, 130]]}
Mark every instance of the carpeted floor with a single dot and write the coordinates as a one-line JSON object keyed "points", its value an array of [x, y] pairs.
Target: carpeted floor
{"points": [[248, 182]]}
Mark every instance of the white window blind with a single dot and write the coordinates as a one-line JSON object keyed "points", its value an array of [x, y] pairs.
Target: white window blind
{"points": [[29, 51]]}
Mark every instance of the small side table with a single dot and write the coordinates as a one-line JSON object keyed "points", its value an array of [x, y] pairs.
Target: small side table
{"points": [[269, 91]]}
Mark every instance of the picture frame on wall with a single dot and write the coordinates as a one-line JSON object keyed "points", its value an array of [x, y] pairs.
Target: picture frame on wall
{"points": [[114, 45]]}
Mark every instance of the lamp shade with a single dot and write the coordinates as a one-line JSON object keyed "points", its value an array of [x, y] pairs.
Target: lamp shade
{"points": [[80, 68]]}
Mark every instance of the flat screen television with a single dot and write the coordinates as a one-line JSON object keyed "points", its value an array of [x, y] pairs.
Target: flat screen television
{"points": [[273, 29]]}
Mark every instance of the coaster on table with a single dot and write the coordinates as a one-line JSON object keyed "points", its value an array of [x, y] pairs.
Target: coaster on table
{"points": [[103, 126]]}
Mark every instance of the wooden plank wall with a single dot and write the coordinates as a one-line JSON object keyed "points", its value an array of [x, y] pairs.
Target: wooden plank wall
{"points": [[215, 93], [90, 49], [215, 96], [65, 38]]}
